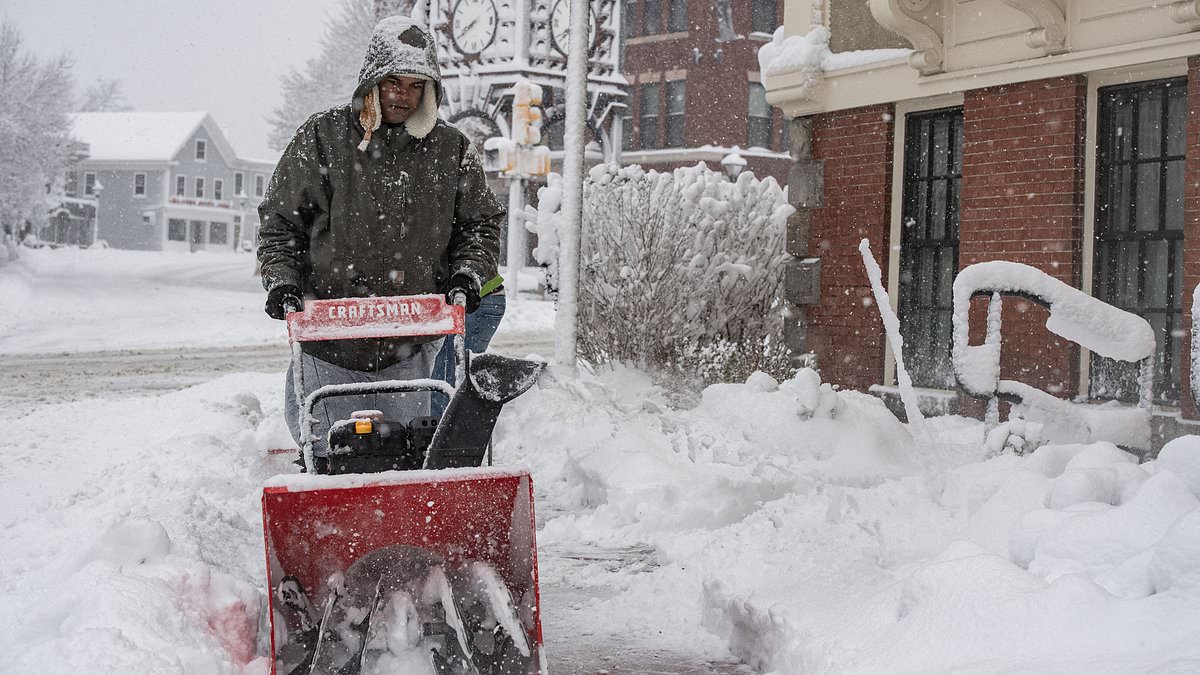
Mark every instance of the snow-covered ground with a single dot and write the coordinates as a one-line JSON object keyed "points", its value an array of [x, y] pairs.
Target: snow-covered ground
{"points": [[800, 528]]}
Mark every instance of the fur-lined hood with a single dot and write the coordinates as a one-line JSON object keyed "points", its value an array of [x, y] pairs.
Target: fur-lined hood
{"points": [[401, 46]]}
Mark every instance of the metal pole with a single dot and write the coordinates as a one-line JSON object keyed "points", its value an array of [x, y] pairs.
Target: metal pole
{"points": [[616, 130], [565, 351], [516, 237]]}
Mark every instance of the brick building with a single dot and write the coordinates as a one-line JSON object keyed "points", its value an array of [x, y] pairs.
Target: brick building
{"points": [[1064, 134], [694, 87]]}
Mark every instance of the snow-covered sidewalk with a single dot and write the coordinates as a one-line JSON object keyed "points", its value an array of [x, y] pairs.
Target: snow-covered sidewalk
{"points": [[798, 527]]}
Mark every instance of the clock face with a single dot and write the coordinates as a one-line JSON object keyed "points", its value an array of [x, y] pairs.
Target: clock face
{"points": [[473, 25], [560, 25]]}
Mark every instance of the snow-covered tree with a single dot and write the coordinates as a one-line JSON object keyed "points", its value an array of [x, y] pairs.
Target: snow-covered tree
{"points": [[329, 78], [681, 271], [35, 99], [104, 95]]}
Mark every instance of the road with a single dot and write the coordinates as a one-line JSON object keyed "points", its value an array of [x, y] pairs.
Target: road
{"points": [[31, 381]]}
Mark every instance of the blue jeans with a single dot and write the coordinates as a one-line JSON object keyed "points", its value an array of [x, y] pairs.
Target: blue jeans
{"points": [[481, 326]]}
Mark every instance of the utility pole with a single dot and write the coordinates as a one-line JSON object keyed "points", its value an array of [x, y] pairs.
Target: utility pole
{"points": [[565, 320]]}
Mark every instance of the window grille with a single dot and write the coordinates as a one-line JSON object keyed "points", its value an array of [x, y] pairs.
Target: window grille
{"points": [[929, 243], [1139, 226]]}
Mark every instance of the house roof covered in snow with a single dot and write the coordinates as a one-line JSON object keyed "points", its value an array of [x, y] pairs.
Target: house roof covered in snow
{"points": [[143, 136]]}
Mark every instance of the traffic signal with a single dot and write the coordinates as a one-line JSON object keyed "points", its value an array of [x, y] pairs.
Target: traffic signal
{"points": [[527, 116]]}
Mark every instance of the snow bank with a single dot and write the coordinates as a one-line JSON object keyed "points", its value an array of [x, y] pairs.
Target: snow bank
{"points": [[803, 527], [134, 535], [1181, 457], [16, 285]]}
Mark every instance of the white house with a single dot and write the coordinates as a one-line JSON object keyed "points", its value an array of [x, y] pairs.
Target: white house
{"points": [[166, 181]]}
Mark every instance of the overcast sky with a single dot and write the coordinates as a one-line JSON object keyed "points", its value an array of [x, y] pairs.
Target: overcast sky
{"points": [[222, 56]]}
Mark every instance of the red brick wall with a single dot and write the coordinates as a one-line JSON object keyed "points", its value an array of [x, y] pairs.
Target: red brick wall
{"points": [[845, 331], [1191, 229], [1022, 201]]}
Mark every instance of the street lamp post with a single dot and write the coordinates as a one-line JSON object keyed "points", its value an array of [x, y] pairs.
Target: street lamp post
{"points": [[733, 164]]}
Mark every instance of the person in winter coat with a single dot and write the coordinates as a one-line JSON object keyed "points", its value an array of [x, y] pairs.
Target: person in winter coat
{"points": [[377, 197]]}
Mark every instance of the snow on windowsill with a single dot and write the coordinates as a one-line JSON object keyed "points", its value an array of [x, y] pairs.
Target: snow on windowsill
{"points": [[811, 53]]}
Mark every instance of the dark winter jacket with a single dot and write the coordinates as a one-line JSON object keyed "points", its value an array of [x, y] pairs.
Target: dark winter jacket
{"points": [[399, 218]]}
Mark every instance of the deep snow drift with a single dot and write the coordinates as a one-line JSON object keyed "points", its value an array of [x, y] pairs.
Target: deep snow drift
{"points": [[799, 527]]}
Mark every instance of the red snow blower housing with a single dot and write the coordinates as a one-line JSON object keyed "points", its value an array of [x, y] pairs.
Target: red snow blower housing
{"points": [[432, 570]]}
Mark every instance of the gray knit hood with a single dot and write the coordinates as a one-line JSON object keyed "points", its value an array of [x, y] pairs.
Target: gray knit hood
{"points": [[401, 46]]}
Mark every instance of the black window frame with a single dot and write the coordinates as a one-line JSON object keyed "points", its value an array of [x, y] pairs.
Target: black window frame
{"points": [[1125, 245], [929, 243], [652, 17], [218, 233], [177, 229], [764, 16], [759, 127], [629, 19], [677, 16], [675, 117], [649, 97]]}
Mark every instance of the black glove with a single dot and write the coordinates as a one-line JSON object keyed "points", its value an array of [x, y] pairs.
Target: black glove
{"points": [[461, 283], [283, 299]]}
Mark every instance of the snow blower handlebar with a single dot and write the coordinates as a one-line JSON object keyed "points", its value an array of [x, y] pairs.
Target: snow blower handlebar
{"points": [[358, 318]]}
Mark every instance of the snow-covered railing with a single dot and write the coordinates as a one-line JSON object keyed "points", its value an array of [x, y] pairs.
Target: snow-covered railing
{"points": [[1074, 315]]}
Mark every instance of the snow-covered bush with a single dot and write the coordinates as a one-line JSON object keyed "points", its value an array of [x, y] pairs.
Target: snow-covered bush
{"points": [[545, 222], [680, 272]]}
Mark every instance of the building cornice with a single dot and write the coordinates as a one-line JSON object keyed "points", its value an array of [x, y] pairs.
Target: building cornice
{"points": [[919, 22], [1050, 24], [961, 45], [1186, 12], [798, 93]]}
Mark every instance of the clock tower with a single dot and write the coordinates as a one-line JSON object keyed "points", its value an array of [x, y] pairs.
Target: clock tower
{"points": [[485, 46]]}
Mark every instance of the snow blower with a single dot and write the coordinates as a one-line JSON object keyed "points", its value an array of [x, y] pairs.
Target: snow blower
{"points": [[398, 552]]}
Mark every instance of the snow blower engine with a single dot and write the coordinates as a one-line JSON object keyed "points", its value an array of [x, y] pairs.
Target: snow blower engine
{"points": [[367, 443]]}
